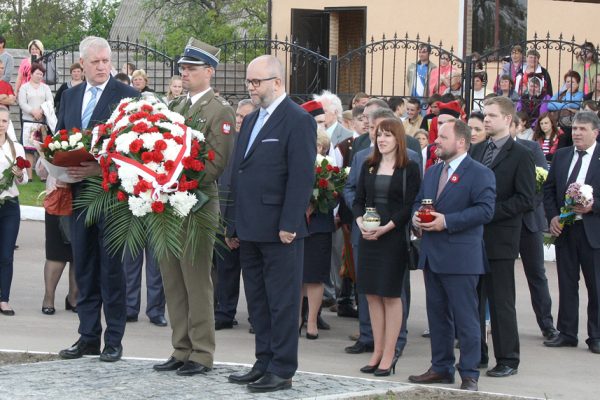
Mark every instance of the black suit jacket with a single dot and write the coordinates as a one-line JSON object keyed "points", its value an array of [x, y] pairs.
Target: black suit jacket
{"points": [[272, 185], [556, 186], [69, 114], [535, 221], [515, 191]]}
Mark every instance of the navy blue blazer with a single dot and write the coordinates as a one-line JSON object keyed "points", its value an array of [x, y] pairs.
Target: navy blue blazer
{"points": [[534, 220], [556, 186], [272, 185], [467, 202], [69, 113]]}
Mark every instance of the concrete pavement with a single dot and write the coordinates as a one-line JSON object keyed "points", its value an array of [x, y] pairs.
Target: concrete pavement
{"points": [[565, 373]]}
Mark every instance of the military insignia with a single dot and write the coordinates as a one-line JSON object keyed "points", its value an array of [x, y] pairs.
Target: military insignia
{"points": [[226, 128]]}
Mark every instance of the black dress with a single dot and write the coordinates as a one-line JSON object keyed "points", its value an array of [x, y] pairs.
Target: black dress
{"points": [[382, 263], [317, 248]]}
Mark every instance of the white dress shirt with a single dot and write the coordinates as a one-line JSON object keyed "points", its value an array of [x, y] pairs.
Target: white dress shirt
{"points": [[88, 95], [585, 163]]}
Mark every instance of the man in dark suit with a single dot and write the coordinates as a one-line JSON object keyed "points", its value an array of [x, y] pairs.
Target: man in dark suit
{"points": [[531, 248], [273, 176], [514, 169], [577, 245], [464, 193], [99, 276]]}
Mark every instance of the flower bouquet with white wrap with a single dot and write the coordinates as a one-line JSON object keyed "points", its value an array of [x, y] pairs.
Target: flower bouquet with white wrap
{"points": [[152, 169]]}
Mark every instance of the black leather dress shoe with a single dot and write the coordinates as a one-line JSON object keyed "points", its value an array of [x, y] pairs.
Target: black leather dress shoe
{"points": [[170, 365], [469, 384], [8, 312], [358, 348], [220, 324], [251, 376], [431, 377], [132, 318], [561, 341], [501, 371], [159, 320], [190, 368], [270, 383], [550, 333], [593, 345], [111, 353], [347, 310], [321, 324], [80, 349]]}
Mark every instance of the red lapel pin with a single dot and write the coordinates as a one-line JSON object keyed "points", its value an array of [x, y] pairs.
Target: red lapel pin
{"points": [[454, 178]]}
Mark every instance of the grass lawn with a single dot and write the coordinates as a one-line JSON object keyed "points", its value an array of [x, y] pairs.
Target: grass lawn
{"points": [[29, 194]]}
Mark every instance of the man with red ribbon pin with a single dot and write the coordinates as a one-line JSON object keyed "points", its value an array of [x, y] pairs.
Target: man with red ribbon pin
{"points": [[188, 286]]}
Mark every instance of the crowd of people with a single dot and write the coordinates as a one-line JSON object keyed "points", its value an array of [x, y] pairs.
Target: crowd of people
{"points": [[476, 174]]}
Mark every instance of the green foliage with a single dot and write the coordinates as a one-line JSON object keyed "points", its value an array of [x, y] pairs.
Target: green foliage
{"points": [[55, 22], [214, 22]]}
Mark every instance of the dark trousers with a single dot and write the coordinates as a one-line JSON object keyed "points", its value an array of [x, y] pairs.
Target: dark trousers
{"points": [[10, 219], [364, 319], [227, 289], [272, 282], [101, 282], [452, 310], [531, 248], [575, 252], [498, 287], [155, 294]]}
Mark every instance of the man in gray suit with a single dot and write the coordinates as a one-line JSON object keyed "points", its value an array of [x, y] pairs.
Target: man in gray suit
{"points": [[332, 105]]}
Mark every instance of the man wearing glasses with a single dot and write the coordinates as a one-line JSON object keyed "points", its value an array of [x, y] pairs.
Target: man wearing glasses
{"points": [[188, 286], [271, 184]]}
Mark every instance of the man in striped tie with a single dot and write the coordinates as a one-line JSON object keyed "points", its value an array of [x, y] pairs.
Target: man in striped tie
{"points": [[99, 276]]}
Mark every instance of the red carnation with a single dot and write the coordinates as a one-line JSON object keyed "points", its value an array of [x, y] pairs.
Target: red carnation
{"points": [[178, 139], [160, 145], [318, 170], [191, 185], [336, 170], [211, 155], [147, 108], [23, 163], [113, 177], [169, 165], [136, 146], [140, 127], [64, 136], [121, 196], [157, 156], [197, 165], [158, 207], [147, 157], [323, 183], [162, 179], [167, 135]]}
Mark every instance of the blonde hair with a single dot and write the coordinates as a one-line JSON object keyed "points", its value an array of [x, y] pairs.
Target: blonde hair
{"points": [[323, 139], [170, 95], [139, 73], [37, 44]]}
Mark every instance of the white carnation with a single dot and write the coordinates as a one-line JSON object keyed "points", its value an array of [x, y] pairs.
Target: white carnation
{"points": [[172, 149], [197, 134], [150, 138], [182, 202], [347, 170], [124, 140], [126, 172], [79, 145], [51, 146], [587, 192], [64, 145], [138, 206]]}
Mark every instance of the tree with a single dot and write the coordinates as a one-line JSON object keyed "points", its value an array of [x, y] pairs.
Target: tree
{"points": [[100, 17], [214, 22]]}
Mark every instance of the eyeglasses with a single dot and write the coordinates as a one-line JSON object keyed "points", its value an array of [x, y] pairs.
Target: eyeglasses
{"points": [[256, 82]]}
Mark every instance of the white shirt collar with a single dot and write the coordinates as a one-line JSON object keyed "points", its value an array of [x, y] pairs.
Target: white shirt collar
{"points": [[197, 96], [589, 151], [275, 104], [332, 128], [454, 164], [100, 87]]}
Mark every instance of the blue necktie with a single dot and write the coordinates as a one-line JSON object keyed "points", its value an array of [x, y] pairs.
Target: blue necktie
{"points": [[89, 109], [257, 126]]}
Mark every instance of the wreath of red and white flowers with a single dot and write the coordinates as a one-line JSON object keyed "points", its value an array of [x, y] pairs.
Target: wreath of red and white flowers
{"points": [[150, 159]]}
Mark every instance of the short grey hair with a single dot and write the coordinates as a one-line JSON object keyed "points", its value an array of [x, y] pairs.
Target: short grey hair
{"points": [[92, 42], [246, 102], [587, 117], [382, 113], [331, 103]]}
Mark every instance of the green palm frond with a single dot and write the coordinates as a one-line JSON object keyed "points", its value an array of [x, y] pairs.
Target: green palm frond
{"points": [[164, 233], [94, 199], [201, 223], [124, 231]]}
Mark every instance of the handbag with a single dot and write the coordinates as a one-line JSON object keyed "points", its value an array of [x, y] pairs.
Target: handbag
{"points": [[59, 202], [412, 245]]}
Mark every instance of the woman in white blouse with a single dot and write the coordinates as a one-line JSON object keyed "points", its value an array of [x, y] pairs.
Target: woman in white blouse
{"points": [[31, 97], [10, 215]]}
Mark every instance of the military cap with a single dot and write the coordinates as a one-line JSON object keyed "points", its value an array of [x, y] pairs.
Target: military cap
{"points": [[200, 53]]}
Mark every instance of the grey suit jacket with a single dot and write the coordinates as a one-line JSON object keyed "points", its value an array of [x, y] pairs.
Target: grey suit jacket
{"points": [[340, 133]]}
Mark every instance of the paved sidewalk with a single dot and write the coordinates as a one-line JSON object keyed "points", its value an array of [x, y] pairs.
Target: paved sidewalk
{"points": [[132, 379]]}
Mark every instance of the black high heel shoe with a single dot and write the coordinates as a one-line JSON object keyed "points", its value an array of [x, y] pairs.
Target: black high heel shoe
{"points": [[369, 369], [310, 336], [391, 369], [68, 305]]}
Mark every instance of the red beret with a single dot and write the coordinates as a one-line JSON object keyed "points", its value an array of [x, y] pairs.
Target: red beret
{"points": [[451, 108], [313, 107]]}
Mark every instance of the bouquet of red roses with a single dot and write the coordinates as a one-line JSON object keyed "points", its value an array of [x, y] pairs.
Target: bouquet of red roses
{"points": [[329, 182], [152, 166], [8, 176]]}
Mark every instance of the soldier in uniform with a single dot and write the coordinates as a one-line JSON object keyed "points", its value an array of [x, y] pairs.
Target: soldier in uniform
{"points": [[188, 286]]}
